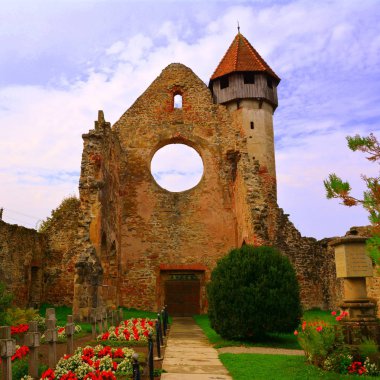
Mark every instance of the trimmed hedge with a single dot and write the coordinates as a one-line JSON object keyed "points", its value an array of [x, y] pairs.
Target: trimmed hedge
{"points": [[253, 291]]}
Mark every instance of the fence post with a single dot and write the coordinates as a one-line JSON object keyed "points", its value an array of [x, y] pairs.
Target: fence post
{"points": [[161, 339], [70, 330], [7, 349], [166, 318], [51, 336], [163, 319], [32, 340], [120, 315], [158, 343], [136, 367], [150, 356]]}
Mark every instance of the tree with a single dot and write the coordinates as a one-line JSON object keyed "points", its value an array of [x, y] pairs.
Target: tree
{"points": [[337, 188], [253, 291]]}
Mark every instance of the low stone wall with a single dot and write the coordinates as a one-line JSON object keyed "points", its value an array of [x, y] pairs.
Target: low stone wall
{"points": [[22, 253]]}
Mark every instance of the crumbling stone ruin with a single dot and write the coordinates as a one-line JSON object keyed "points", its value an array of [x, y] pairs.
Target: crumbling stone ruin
{"points": [[132, 243]]}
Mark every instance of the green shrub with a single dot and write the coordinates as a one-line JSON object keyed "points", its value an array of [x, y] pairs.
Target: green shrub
{"points": [[17, 316], [253, 291], [5, 301], [19, 368]]}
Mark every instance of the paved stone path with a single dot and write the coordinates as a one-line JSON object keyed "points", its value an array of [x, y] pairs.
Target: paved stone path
{"points": [[189, 355]]}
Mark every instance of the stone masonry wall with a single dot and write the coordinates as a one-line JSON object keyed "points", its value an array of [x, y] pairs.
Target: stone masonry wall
{"points": [[21, 263], [61, 255], [97, 268], [191, 229]]}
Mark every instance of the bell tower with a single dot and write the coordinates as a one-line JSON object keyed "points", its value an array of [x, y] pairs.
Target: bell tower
{"points": [[247, 86]]}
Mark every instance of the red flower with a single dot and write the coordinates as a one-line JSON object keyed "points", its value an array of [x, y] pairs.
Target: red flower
{"points": [[69, 376], [19, 329], [105, 351], [319, 328], [303, 325], [118, 353], [295, 332], [333, 313], [20, 353], [48, 374], [88, 352], [105, 336]]}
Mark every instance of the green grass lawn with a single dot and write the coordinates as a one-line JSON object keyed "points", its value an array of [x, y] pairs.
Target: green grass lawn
{"points": [[275, 367], [273, 340]]}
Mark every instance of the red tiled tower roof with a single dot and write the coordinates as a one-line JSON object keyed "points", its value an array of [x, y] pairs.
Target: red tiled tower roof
{"points": [[241, 56]]}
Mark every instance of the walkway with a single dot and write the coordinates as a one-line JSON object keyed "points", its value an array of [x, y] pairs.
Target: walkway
{"points": [[189, 355]]}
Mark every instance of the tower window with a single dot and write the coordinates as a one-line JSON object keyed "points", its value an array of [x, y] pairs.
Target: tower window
{"points": [[269, 83], [224, 82], [252, 125], [178, 101], [249, 78]]}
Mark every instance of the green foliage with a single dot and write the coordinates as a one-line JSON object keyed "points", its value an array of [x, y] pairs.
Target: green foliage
{"points": [[17, 316], [319, 340], [278, 367], [368, 348], [271, 340], [67, 205], [253, 292], [134, 313], [336, 188], [5, 301], [19, 368]]}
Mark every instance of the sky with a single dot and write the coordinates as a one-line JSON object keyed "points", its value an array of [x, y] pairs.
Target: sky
{"points": [[61, 61]]}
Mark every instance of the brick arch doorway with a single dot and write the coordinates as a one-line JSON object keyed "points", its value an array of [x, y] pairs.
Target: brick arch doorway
{"points": [[182, 291]]}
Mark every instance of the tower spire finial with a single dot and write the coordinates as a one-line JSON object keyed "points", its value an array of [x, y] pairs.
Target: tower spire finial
{"points": [[238, 27]]}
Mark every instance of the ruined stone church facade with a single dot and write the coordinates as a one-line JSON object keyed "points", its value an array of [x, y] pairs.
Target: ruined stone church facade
{"points": [[132, 243]]}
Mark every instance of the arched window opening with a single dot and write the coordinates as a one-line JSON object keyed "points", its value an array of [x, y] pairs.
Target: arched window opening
{"points": [[178, 101]]}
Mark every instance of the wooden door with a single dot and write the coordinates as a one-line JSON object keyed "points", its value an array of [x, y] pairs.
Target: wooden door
{"points": [[182, 297]]}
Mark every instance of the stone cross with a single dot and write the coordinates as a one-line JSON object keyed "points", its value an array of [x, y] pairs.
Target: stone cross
{"points": [[51, 336], [7, 349], [70, 330], [32, 340]]}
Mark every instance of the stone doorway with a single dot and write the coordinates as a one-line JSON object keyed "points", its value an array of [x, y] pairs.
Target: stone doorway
{"points": [[183, 294]]}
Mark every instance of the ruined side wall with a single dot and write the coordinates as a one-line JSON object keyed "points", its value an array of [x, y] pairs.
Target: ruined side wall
{"points": [[261, 221], [59, 262], [98, 240], [21, 263]]}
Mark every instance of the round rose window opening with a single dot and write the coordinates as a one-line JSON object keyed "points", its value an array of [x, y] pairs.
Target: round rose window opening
{"points": [[177, 167]]}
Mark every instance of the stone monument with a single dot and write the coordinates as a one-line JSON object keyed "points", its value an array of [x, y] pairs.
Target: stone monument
{"points": [[353, 265]]}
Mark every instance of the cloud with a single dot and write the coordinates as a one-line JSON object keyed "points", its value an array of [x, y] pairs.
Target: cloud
{"points": [[328, 62]]}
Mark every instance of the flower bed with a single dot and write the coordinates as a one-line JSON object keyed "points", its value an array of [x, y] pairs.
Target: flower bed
{"points": [[93, 363], [131, 330], [324, 347]]}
